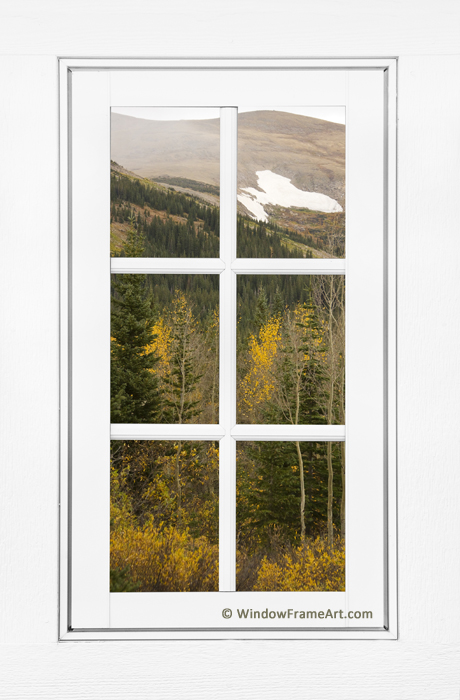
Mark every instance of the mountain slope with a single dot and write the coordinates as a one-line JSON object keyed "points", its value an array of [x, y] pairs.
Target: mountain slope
{"points": [[282, 159], [310, 152], [187, 148]]}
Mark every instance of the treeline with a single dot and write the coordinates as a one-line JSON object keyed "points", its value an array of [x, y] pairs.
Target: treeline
{"points": [[186, 227], [192, 239], [127, 189], [201, 290], [259, 296], [166, 236], [186, 183], [256, 239], [278, 292]]}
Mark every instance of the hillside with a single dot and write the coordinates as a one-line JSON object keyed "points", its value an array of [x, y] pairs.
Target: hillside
{"points": [[186, 148], [291, 169], [310, 152], [181, 224]]}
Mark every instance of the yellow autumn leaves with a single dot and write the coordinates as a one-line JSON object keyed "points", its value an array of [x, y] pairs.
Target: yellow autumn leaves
{"points": [[311, 567], [260, 383], [257, 386], [165, 559], [154, 542]]}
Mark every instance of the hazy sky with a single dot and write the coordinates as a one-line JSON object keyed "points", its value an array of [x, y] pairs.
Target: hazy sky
{"points": [[330, 114]]}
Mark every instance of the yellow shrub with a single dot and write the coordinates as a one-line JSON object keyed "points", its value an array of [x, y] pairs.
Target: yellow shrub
{"points": [[121, 510], [165, 559], [311, 567]]}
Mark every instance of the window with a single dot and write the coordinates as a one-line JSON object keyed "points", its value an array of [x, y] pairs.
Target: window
{"points": [[363, 269]]}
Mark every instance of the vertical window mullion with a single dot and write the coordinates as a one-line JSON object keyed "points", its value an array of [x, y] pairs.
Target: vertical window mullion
{"points": [[227, 358]]}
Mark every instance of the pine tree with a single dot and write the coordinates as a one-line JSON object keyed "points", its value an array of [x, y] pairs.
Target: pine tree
{"points": [[272, 492], [181, 406], [262, 308], [314, 373], [134, 385], [278, 303]]}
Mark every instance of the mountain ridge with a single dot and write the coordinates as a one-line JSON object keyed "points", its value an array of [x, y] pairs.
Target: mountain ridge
{"points": [[308, 151]]}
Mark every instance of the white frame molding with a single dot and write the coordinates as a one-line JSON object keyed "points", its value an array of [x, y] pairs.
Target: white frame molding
{"points": [[228, 432]]}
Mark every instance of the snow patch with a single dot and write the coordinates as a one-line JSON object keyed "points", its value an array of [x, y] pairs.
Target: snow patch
{"points": [[254, 207], [280, 191]]}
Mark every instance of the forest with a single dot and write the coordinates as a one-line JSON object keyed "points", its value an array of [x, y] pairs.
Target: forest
{"points": [[180, 225], [165, 369]]}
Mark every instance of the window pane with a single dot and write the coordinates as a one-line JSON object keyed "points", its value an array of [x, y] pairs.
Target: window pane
{"points": [[291, 182], [290, 516], [165, 174], [165, 349], [291, 349], [164, 516]]}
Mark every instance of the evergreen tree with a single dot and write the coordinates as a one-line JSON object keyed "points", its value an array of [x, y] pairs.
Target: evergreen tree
{"points": [[181, 406], [262, 309], [134, 385], [313, 395], [269, 494], [278, 303]]}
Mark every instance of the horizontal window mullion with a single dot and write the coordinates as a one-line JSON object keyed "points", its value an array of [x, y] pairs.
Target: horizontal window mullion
{"points": [[289, 266], [139, 431], [307, 433], [256, 266], [166, 265]]}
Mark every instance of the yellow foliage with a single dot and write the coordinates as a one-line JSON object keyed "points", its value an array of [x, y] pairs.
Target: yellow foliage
{"points": [[121, 513], [214, 325], [311, 567], [258, 385], [158, 559], [161, 345]]}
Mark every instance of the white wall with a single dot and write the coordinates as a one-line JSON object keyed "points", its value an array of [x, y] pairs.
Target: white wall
{"points": [[425, 662]]}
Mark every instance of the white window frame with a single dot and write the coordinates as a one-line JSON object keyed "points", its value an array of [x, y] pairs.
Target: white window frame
{"points": [[85, 211]]}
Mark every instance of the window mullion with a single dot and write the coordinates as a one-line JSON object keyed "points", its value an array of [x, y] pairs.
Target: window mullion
{"points": [[166, 266], [304, 433], [289, 266], [227, 359], [165, 431]]}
